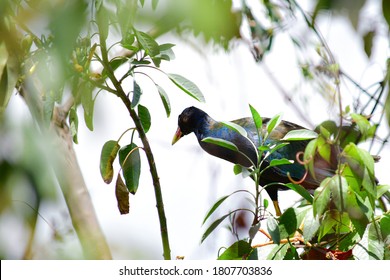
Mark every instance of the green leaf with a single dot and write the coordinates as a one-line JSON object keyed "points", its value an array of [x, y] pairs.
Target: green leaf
{"points": [[221, 142], [277, 147], [323, 148], [338, 186], [301, 191], [122, 196], [363, 124], [239, 250], [362, 167], [385, 228], [278, 252], [88, 104], [387, 102], [235, 127], [358, 213], [187, 86], [65, 32], [354, 182], [274, 122], [371, 246], [321, 197], [256, 118], [107, 157], [114, 64], [381, 190], [166, 52], [145, 118], [213, 226], [147, 43], [310, 152], [237, 169], [3, 58], [311, 227], [102, 20], [154, 4], [254, 230], [48, 105], [157, 60], [291, 254], [288, 222], [73, 124], [325, 133], [135, 61], [386, 11], [214, 207], [282, 161], [265, 148], [8, 76], [265, 203], [137, 92], [130, 161], [368, 38], [328, 222], [273, 229], [125, 15], [165, 100], [165, 47], [300, 134]]}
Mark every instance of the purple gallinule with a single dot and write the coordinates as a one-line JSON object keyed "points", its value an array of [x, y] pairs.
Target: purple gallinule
{"points": [[195, 120]]}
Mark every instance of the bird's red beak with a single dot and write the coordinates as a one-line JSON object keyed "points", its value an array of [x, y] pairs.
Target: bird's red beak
{"points": [[177, 136]]}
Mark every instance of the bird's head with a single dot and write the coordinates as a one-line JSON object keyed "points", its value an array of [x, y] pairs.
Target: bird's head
{"points": [[189, 120]]}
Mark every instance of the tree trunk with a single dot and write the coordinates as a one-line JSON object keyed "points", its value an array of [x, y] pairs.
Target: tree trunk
{"points": [[76, 194]]}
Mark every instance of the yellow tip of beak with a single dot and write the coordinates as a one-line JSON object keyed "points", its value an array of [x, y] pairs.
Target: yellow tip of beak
{"points": [[177, 136]]}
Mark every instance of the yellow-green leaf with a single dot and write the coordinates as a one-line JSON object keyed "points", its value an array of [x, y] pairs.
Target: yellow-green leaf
{"points": [[107, 157]]}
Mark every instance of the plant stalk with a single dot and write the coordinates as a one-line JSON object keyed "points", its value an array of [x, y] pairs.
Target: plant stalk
{"points": [[149, 154]]}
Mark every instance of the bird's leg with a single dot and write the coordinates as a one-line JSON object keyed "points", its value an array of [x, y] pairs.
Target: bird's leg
{"points": [[277, 208]]}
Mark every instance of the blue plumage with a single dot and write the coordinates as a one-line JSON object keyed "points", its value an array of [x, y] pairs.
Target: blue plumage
{"points": [[195, 120]]}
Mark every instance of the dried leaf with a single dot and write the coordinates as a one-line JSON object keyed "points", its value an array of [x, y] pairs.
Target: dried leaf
{"points": [[122, 196]]}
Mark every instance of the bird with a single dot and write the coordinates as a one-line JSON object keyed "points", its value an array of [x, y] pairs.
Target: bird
{"points": [[195, 120]]}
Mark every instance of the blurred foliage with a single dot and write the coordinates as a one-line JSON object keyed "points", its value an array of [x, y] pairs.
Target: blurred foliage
{"points": [[60, 55], [26, 182]]}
